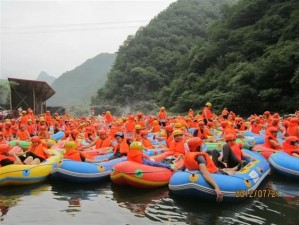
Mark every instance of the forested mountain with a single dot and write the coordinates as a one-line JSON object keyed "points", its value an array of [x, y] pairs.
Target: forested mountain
{"points": [[75, 88], [43, 76], [243, 56]]}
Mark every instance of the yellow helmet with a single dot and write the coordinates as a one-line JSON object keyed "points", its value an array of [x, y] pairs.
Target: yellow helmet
{"points": [[177, 132], [162, 108], [136, 145], [209, 104], [138, 127], [177, 125], [70, 145]]}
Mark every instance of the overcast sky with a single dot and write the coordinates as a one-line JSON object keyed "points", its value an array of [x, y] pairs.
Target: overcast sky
{"points": [[57, 36]]}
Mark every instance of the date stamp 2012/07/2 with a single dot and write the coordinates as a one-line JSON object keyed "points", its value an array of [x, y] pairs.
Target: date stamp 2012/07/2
{"points": [[262, 193]]}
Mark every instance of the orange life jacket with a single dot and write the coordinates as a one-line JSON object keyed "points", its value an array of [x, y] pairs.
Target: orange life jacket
{"points": [[267, 141], [39, 150], [147, 143], [289, 149], [192, 164], [123, 147], [73, 154], [23, 135], [100, 143], [292, 130], [237, 149], [136, 155], [206, 113], [177, 147]]}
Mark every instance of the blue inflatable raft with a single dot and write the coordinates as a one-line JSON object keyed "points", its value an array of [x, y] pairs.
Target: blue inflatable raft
{"points": [[235, 187], [285, 164]]}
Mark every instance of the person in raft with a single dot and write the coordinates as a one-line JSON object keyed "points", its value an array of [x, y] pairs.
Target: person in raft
{"points": [[232, 154], [195, 159], [121, 148], [135, 154], [71, 152], [36, 153], [271, 140], [291, 146], [103, 141]]}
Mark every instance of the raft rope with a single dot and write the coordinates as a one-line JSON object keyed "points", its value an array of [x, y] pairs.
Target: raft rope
{"points": [[20, 170]]}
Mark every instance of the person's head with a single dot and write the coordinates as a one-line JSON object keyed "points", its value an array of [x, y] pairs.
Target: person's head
{"points": [[75, 133], [201, 124], [70, 145], [230, 138], [138, 128], [292, 140], [136, 145], [102, 134], [23, 127], [273, 130], [177, 135], [119, 136], [35, 140], [169, 128], [209, 104], [144, 133], [194, 144], [178, 125], [162, 108]]}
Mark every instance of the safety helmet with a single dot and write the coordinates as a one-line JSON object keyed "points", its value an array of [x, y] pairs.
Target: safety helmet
{"points": [[224, 123], [144, 132], [169, 128], [272, 129], [201, 123], [194, 142], [35, 139], [177, 132], [209, 104], [177, 125], [230, 137], [138, 127], [70, 145], [101, 132], [136, 145], [119, 134], [162, 108]]}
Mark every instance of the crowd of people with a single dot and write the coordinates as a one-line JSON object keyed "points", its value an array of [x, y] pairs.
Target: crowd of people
{"points": [[128, 135]]}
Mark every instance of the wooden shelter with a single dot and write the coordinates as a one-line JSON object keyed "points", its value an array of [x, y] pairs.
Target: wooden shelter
{"points": [[29, 94]]}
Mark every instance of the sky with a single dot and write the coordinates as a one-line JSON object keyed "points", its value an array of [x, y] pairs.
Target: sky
{"points": [[57, 36]]}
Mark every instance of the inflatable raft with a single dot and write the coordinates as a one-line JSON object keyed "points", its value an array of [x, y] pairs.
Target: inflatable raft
{"points": [[285, 164], [29, 174], [142, 176], [243, 184], [83, 172]]}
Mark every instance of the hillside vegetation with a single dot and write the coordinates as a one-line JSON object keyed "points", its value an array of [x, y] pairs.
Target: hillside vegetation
{"points": [[242, 55]]}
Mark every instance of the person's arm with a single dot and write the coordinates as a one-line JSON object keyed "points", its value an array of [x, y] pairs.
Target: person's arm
{"points": [[207, 176], [275, 144], [244, 154]]}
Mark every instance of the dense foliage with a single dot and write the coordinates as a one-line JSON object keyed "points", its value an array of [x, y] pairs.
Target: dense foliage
{"points": [[244, 57]]}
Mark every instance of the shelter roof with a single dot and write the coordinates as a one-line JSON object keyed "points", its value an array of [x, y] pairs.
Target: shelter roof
{"points": [[42, 89]]}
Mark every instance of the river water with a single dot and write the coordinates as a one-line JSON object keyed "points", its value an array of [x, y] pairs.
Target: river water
{"points": [[64, 203]]}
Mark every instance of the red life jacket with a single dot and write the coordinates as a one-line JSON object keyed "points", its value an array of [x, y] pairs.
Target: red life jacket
{"points": [[100, 143], [237, 149], [191, 163], [267, 141], [123, 147], [73, 154], [177, 147], [289, 149], [135, 155], [38, 151]]}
